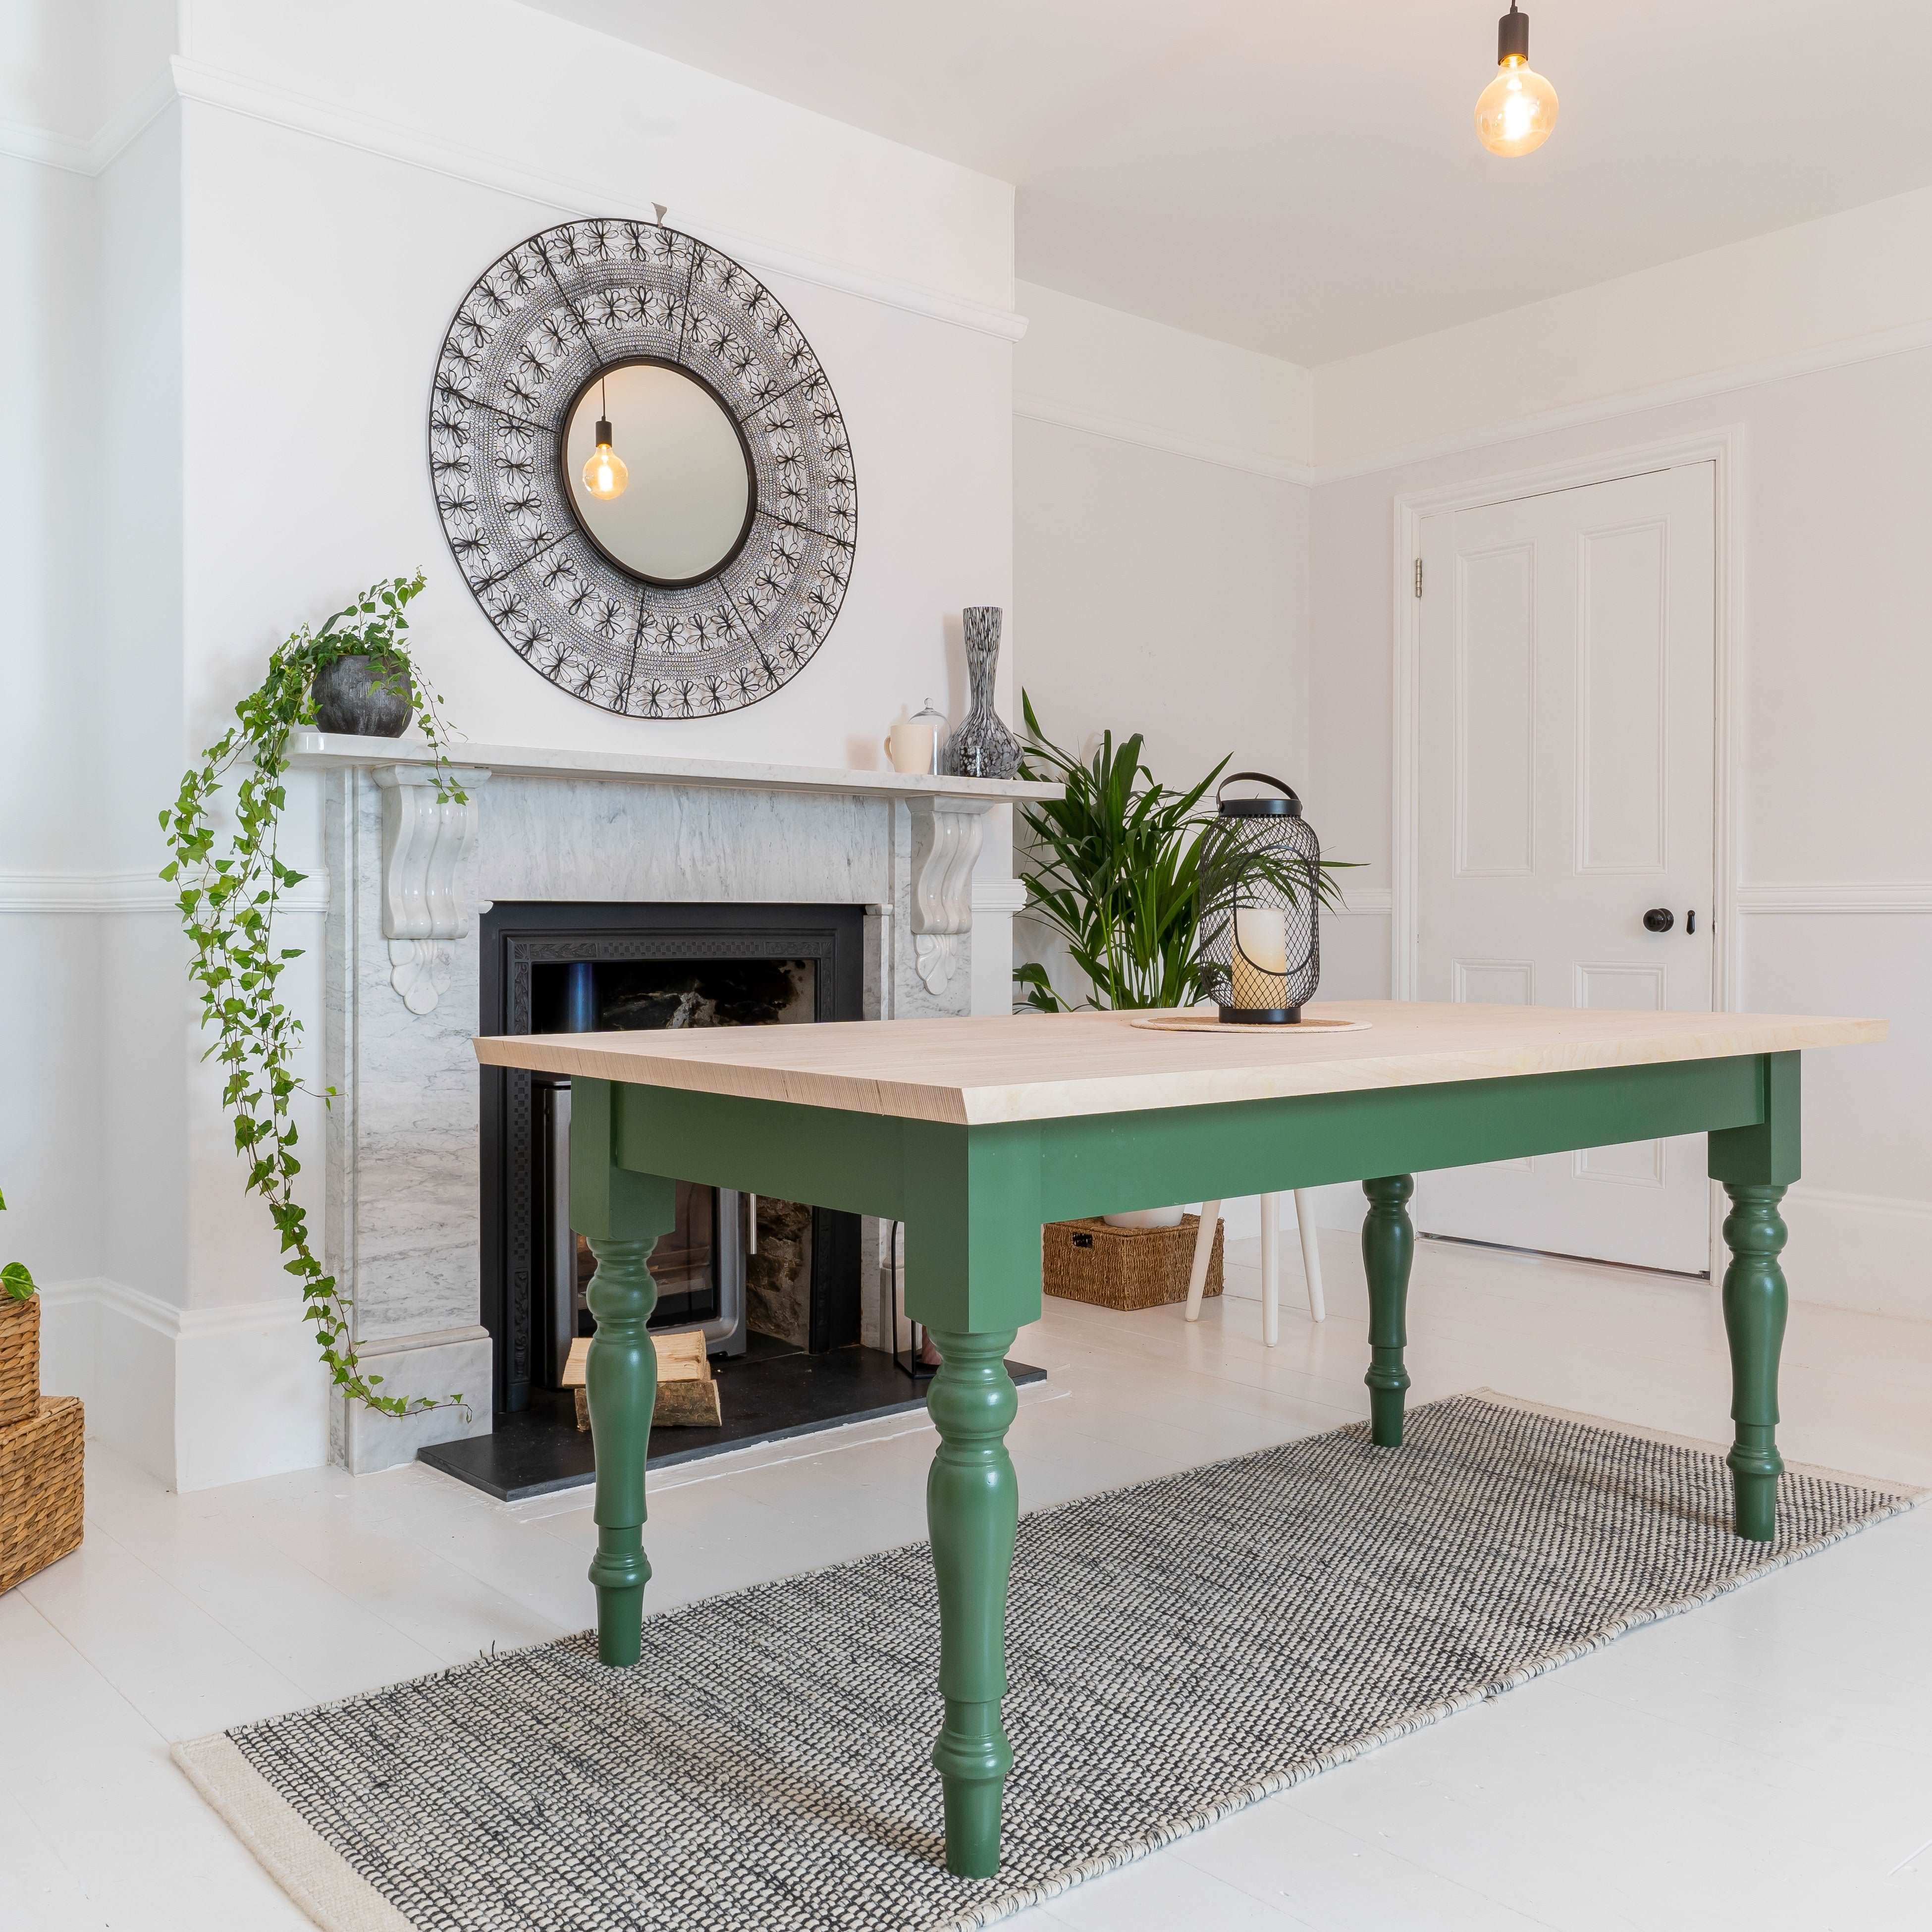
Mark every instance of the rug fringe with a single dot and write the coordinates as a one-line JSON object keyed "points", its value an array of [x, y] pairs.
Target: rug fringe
{"points": [[312, 1872]]}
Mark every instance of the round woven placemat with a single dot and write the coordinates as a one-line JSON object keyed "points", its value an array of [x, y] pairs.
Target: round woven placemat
{"points": [[1212, 1023]]}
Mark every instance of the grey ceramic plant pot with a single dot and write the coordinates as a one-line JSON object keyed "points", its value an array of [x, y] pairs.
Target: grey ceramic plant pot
{"points": [[365, 695]]}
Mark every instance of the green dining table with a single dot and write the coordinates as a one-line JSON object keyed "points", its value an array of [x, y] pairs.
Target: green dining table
{"points": [[975, 1131]]}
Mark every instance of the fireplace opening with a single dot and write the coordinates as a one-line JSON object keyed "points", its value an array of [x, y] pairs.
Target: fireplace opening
{"points": [[759, 1276], [742, 1268], [774, 1285]]}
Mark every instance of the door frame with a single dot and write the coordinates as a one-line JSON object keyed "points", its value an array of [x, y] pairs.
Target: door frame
{"points": [[1723, 447]]}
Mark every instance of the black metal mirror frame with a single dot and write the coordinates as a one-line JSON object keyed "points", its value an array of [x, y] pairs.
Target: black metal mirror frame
{"points": [[561, 439], [542, 323]]}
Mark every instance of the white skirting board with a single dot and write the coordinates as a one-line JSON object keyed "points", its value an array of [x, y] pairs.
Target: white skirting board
{"points": [[440, 1366], [1862, 1252], [197, 1396]]}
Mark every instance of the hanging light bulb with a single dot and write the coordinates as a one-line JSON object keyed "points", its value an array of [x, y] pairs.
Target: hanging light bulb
{"points": [[1516, 112], [605, 475]]}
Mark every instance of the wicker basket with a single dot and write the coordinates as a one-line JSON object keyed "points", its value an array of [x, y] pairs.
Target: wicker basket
{"points": [[1124, 1267], [40, 1489], [19, 1358]]}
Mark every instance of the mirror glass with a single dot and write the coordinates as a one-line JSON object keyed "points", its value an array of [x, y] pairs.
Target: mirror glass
{"points": [[689, 485]]}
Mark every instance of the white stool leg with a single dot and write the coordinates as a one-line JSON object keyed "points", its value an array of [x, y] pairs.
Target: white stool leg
{"points": [[1204, 1253], [1270, 1269], [1311, 1253]]}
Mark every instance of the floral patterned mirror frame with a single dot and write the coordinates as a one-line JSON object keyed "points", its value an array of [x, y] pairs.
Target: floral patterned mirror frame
{"points": [[532, 331]]}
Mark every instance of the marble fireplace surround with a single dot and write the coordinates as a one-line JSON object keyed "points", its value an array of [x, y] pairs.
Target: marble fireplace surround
{"points": [[408, 876]]}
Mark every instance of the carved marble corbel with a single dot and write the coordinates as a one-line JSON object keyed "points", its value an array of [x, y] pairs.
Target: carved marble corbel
{"points": [[946, 834], [426, 840]]}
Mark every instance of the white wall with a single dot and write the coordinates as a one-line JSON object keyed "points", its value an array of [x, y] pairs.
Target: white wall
{"points": [[1811, 292], [1160, 543], [48, 981], [1161, 555], [1127, 380], [1833, 680], [279, 249], [1817, 343]]}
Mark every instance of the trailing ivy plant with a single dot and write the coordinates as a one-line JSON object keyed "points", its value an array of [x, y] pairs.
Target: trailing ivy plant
{"points": [[231, 881], [1117, 868], [16, 1283]]}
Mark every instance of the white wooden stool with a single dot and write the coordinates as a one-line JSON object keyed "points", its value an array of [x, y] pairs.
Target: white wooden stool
{"points": [[1311, 1261]]}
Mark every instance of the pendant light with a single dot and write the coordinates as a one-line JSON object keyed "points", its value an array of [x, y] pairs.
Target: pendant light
{"points": [[605, 475], [1516, 112]]}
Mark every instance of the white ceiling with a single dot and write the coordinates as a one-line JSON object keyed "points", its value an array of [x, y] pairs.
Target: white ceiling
{"points": [[1304, 178]]}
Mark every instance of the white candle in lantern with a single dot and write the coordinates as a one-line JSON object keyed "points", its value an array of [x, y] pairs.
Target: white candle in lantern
{"points": [[1261, 958]]}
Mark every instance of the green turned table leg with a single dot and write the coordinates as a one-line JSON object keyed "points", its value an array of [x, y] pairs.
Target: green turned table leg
{"points": [[973, 1221], [622, 1377], [972, 1507], [1756, 1164], [621, 1215], [1754, 1305], [1388, 1248]]}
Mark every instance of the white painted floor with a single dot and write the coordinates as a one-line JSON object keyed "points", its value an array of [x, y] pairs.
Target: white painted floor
{"points": [[1764, 1762]]}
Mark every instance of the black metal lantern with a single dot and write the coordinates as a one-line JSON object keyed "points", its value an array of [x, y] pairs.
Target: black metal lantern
{"points": [[1259, 950]]}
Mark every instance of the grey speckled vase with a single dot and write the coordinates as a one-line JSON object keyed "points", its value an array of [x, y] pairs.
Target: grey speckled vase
{"points": [[371, 697], [983, 747]]}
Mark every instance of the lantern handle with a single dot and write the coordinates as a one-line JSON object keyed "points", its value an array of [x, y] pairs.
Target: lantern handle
{"points": [[1291, 806]]}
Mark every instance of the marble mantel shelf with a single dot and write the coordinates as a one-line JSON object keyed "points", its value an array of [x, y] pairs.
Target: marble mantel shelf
{"points": [[428, 839], [327, 750]]}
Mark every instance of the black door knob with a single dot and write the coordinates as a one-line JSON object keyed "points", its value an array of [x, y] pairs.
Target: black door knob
{"points": [[1659, 919]]}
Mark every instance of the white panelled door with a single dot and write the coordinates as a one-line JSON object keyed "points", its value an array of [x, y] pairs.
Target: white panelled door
{"points": [[1567, 711]]}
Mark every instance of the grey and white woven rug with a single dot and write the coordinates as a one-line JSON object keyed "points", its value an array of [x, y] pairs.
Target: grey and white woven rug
{"points": [[1178, 1650]]}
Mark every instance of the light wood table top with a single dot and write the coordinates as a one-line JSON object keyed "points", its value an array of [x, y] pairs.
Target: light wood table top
{"points": [[1040, 1067]]}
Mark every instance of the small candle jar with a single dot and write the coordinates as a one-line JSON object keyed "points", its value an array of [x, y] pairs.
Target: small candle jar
{"points": [[912, 743], [1258, 950]]}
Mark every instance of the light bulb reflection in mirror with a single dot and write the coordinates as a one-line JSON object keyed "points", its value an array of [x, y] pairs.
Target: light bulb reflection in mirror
{"points": [[604, 474]]}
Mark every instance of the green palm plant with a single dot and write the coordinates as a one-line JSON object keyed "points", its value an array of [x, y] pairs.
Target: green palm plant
{"points": [[1117, 869]]}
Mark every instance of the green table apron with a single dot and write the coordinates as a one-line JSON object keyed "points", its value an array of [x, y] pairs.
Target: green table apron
{"points": [[973, 1199]]}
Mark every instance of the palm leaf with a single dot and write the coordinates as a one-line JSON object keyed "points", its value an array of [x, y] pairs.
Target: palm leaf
{"points": [[1117, 868]]}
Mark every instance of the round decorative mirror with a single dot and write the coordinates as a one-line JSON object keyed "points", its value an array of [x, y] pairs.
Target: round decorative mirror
{"points": [[642, 470], [685, 503]]}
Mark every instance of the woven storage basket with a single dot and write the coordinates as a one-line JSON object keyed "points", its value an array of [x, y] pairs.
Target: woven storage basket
{"points": [[19, 1358], [1124, 1267], [40, 1489]]}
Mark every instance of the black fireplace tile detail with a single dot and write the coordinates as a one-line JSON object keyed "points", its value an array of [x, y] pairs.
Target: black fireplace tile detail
{"points": [[540, 1449]]}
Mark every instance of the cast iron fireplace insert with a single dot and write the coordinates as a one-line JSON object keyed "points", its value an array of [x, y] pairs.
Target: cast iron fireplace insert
{"points": [[774, 1285]]}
